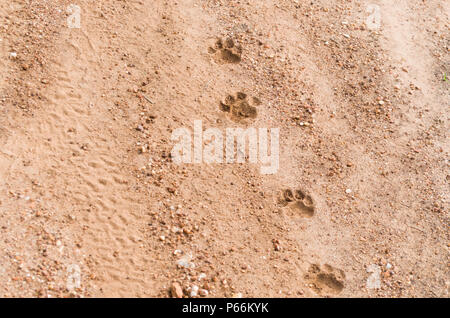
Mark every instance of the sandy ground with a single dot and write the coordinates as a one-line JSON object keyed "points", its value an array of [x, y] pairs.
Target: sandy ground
{"points": [[93, 205]]}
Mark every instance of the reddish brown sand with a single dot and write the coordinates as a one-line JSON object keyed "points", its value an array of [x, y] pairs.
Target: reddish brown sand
{"points": [[91, 203]]}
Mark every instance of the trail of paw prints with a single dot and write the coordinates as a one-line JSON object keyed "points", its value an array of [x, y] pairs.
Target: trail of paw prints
{"points": [[226, 51], [239, 107], [325, 280], [298, 203]]}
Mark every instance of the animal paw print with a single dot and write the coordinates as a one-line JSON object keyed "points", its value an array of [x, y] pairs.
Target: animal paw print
{"points": [[325, 280], [298, 202], [239, 107], [226, 51]]}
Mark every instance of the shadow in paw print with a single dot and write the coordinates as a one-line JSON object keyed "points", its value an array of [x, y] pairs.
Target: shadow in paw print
{"points": [[325, 280], [298, 202], [226, 51]]}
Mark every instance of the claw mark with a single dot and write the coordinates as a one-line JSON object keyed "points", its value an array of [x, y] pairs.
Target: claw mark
{"points": [[298, 202], [239, 107], [326, 280]]}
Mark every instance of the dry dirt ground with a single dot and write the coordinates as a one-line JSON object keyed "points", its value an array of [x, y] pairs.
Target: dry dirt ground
{"points": [[92, 204]]}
